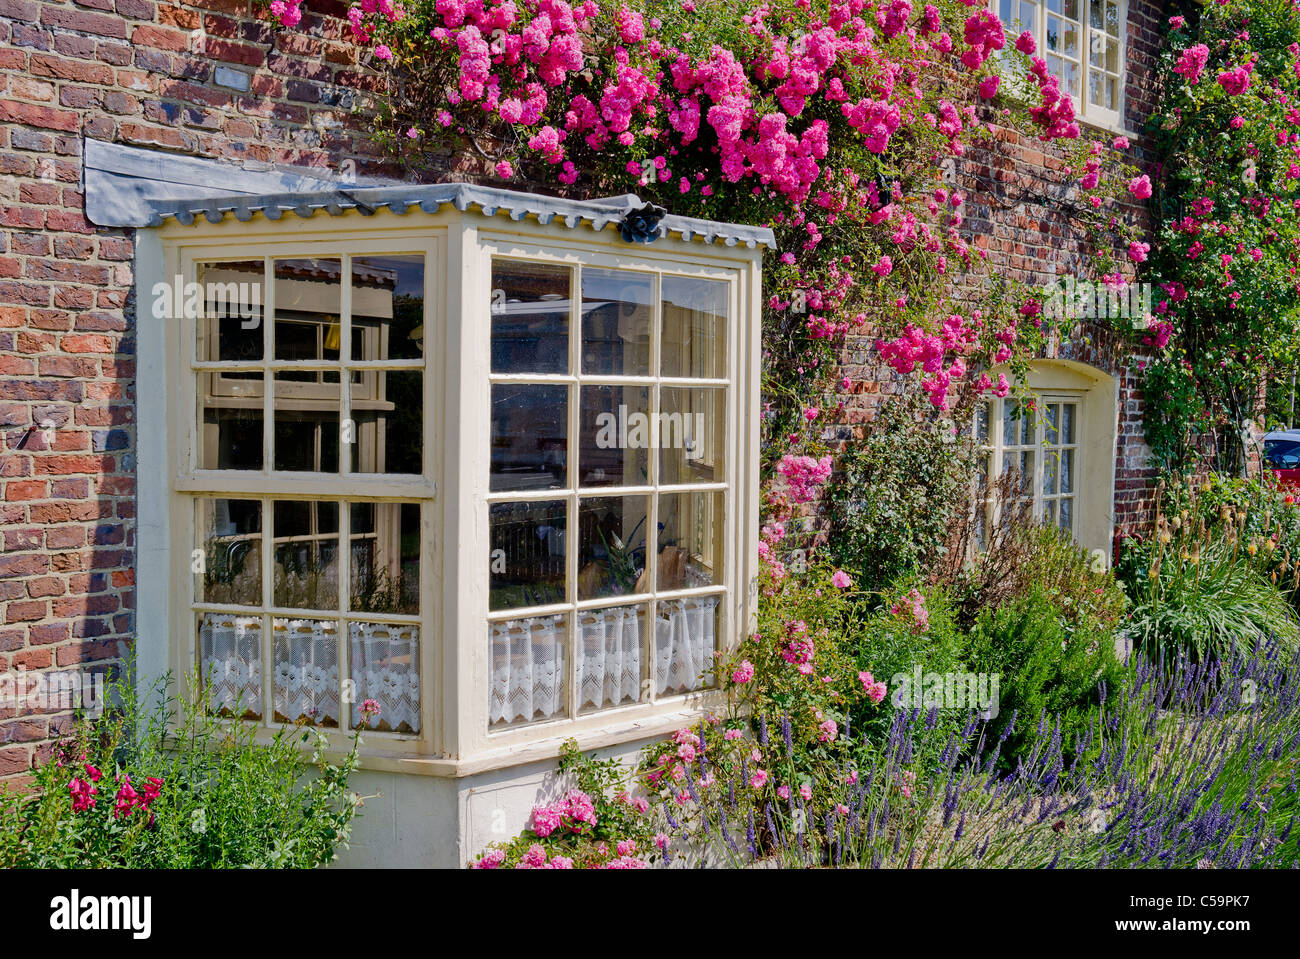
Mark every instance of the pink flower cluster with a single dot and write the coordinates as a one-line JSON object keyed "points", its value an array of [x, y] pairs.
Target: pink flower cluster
{"points": [[803, 475], [798, 649], [575, 811], [913, 603], [874, 688], [915, 347]]}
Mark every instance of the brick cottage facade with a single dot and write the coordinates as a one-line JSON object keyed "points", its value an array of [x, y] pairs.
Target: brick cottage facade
{"points": [[206, 79]]}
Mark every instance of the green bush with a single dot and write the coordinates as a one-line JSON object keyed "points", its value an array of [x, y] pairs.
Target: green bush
{"points": [[897, 494], [1045, 662], [125, 790]]}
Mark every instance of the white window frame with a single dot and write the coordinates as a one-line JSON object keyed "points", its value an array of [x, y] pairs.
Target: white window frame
{"points": [[454, 738], [1085, 111]]}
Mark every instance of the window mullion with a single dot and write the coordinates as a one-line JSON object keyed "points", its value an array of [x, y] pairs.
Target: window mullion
{"points": [[268, 345]]}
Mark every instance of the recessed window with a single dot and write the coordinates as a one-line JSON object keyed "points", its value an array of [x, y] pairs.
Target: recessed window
{"points": [[609, 506], [1083, 44]]}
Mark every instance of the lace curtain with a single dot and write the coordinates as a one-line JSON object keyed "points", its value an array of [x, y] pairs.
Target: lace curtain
{"points": [[230, 661], [306, 682], [385, 664], [527, 670], [609, 656], [528, 664], [684, 638]]}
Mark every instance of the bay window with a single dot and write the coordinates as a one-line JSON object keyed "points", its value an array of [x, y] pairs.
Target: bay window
{"points": [[463, 452]]}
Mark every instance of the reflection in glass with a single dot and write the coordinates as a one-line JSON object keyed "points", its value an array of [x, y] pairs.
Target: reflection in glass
{"points": [[526, 554], [389, 425], [308, 303], [530, 317], [385, 557], [615, 434], [691, 439], [612, 546], [690, 540], [616, 321], [230, 320], [306, 428], [694, 328], [530, 430], [306, 573], [232, 421], [231, 541], [387, 307]]}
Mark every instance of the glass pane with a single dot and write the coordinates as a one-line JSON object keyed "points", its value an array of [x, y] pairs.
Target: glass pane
{"points": [[612, 546], [1073, 78], [1068, 411], [528, 670], [691, 540], [1096, 49], [306, 681], [616, 321], [1094, 88], [982, 414], [385, 558], [1004, 11], [384, 661], [1053, 6], [530, 317], [308, 304], [1054, 34], [530, 431], [230, 663], [611, 670], [1028, 427], [694, 328], [306, 423], [1112, 56], [387, 431], [1070, 40], [1028, 13], [685, 631], [1094, 13], [614, 436], [231, 541], [306, 574], [1067, 514], [1112, 18], [1026, 467], [690, 434], [1054, 65], [1070, 8], [387, 307], [1051, 460], [526, 554], [982, 474], [1049, 513], [1067, 471], [1112, 95], [228, 302], [231, 431]]}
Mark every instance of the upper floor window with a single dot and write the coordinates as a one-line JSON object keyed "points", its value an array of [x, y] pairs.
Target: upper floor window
{"points": [[1083, 43]]}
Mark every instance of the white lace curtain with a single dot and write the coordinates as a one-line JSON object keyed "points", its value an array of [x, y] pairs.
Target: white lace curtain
{"points": [[230, 661], [528, 658], [306, 684], [385, 665]]}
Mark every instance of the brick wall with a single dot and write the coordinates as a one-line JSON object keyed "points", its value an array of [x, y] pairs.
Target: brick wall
{"points": [[203, 78]]}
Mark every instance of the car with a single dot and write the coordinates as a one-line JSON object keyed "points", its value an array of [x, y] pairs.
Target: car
{"points": [[1282, 456]]}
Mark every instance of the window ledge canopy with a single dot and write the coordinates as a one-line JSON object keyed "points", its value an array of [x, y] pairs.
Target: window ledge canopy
{"points": [[130, 187]]}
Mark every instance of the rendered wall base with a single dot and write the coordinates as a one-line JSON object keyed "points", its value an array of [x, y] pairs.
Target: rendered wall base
{"points": [[426, 822]]}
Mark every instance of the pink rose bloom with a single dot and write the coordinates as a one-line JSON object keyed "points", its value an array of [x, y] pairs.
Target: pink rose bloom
{"points": [[1235, 81], [504, 170], [841, 580], [546, 820], [783, 792], [829, 730], [1137, 252], [1192, 62], [743, 674], [1120, 143], [1025, 43], [732, 734], [1140, 187], [1177, 22], [759, 779], [989, 87], [806, 792], [491, 859]]}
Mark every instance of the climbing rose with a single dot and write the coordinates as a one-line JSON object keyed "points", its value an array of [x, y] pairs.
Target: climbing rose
{"points": [[1140, 187], [744, 672]]}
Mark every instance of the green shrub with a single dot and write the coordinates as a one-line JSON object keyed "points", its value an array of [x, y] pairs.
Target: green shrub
{"points": [[897, 494], [125, 790], [1045, 662]]}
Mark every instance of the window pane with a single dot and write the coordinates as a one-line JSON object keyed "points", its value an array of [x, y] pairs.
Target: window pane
{"points": [[306, 685], [1049, 513], [230, 533], [308, 303], [691, 540], [612, 546], [530, 317], [1094, 13], [616, 321], [1068, 412], [306, 574], [230, 663], [1051, 460], [387, 421], [685, 631], [527, 554], [1026, 467], [387, 307], [694, 328], [307, 421], [1028, 14], [615, 436], [530, 430], [1067, 514], [1053, 416], [1073, 78], [610, 668], [232, 421], [385, 557], [1067, 471], [982, 413], [691, 437], [231, 297], [385, 664], [528, 670]]}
